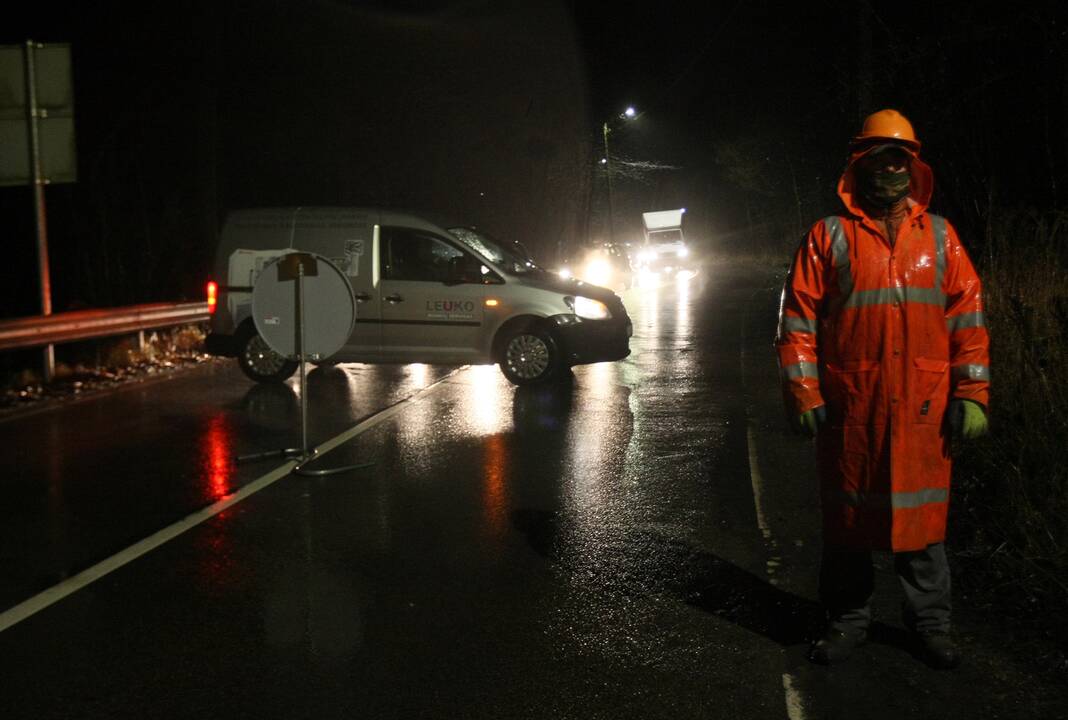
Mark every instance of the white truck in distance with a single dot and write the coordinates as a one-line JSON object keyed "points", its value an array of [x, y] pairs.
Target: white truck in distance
{"points": [[665, 250]]}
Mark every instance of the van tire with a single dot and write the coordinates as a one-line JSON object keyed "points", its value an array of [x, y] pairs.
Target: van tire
{"points": [[258, 361], [529, 355]]}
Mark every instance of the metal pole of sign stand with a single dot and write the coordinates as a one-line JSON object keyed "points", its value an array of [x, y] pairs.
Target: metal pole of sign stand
{"points": [[305, 456], [302, 454]]}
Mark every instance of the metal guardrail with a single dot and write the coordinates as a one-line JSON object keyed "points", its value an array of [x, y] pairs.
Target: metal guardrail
{"points": [[29, 332]]}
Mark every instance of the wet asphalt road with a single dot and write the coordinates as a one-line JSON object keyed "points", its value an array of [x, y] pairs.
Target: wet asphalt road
{"points": [[640, 541]]}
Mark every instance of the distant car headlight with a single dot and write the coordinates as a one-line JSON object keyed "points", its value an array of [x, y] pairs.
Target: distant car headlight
{"points": [[564, 272], [597, 272], [588, 308], [683, 251]]}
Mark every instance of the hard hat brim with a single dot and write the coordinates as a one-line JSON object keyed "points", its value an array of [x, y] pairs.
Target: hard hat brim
{"points": [[867, 144]]}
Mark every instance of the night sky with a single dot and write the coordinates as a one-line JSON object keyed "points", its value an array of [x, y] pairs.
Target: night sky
{"points": [[490, 113]]}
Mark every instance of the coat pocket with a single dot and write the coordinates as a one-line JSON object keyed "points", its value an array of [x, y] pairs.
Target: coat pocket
{"points": [[930, 391], [850, 391]]}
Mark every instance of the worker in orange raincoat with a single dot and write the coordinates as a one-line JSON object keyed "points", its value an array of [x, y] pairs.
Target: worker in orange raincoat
{"points": [[883, 353]]}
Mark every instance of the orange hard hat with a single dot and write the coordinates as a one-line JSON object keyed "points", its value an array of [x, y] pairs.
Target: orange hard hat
{"points": [[890, 126]]}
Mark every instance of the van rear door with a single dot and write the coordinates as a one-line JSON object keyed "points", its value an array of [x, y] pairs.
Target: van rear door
{"points": [[346, 238]]}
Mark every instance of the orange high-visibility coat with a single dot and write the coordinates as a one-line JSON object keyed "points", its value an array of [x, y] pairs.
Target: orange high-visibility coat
{"points": [[883, 334]]}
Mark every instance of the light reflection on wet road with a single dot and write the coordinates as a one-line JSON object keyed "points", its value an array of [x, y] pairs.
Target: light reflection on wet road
{"points": [[587, 549], [85, 481]]}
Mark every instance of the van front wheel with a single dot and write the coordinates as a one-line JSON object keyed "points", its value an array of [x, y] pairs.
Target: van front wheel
{"points": [[529, 356], [259, 362]]}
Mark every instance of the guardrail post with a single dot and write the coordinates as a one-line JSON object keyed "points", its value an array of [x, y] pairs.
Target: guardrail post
{"points": [[49, 363]]}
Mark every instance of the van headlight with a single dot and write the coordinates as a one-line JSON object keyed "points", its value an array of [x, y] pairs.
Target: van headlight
{"points": [[588, 308]]}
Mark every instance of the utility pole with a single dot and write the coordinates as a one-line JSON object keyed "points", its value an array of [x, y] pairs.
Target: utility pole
{"points": [[608, 174]]}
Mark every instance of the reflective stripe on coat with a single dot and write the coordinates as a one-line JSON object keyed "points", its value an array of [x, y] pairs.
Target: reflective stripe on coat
{"points": [[883, 335]]}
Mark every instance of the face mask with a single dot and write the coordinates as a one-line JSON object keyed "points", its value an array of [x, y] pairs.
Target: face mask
{"points": [[883, 188]]}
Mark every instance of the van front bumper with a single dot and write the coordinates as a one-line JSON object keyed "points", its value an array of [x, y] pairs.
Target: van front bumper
{"points": [[592, 341]]}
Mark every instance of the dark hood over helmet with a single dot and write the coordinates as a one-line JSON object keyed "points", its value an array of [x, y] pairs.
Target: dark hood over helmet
{"points": [[920, 187]]}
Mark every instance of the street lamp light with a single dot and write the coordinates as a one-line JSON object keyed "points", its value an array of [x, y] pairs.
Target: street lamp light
{"points": [[628, 114]]}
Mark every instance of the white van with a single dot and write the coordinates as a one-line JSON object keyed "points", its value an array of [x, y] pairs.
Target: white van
{"points": [[424, 294]]}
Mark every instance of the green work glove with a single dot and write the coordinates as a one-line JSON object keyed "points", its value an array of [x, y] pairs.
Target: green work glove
{"points": [[967, 419], [809, 421]]}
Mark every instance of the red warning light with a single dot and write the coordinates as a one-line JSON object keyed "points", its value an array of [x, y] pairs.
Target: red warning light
{"points": [[213, 296]]}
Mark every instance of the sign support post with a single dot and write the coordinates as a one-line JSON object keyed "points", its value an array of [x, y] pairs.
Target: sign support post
{"points": [[39, 217], [37, 145], [281, 319]]}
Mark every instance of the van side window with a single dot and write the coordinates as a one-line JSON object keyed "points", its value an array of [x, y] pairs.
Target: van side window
{"points": [[415, 255]]}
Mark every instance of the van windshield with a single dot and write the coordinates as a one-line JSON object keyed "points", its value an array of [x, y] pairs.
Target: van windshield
{"points": [[510, 257]]}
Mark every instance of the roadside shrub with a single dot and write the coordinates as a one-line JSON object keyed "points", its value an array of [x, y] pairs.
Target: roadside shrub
{"points": [[93, 364], [1012, 487]]}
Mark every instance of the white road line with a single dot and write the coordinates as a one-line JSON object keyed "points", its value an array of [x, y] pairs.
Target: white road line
{"points": [[795, 706], [54, 594], [758, 481]]}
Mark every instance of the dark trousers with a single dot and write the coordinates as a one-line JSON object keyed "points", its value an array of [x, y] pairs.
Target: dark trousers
{"points": [[847, 582]]}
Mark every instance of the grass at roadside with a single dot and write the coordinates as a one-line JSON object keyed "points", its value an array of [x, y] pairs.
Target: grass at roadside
{"points": [[1010, 514], [92, 365]]}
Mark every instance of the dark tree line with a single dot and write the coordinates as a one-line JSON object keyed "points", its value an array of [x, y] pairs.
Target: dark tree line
{"points": [[186, 111], [489, 113], [985, 86]]}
